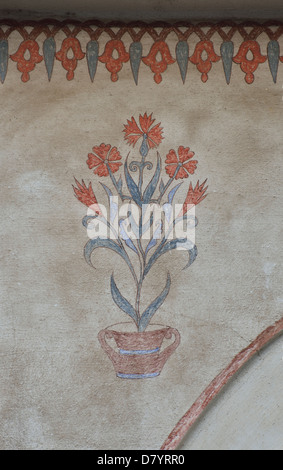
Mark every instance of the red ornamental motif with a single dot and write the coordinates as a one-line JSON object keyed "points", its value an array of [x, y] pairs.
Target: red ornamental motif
{"points": [[70, 64], [158, 66], [114, 65], [27, 65], [249, 66], [204, 65]]}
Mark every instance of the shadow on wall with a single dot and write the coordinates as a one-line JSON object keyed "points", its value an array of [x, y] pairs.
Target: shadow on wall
{"points": [[128, 10]]}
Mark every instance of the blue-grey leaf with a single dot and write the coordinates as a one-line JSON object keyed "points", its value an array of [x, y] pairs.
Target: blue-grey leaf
{"points": [[167, 209], [126, 237], [49, 49], [107, 190], [151, 244], [273, 53], [193, 254], [112, 205], [120, 183], [105, 243], [154, 306], [121, 302], [87, 218], [227, 52], [182, 56], [161, 186], [132, 186], [173, 192], [92, 58], [151, 187], [134, 224], [180, 243], [135, 59], [100, 243], [156, 236], [4, 55]]}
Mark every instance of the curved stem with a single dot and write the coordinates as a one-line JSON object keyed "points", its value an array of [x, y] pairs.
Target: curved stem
{"points": [[113, 179], [168, 183]]}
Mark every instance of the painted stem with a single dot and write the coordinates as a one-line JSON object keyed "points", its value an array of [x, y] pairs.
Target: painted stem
{"points": [[191, 416], [168, 183], [141, 168], [142, 267], [141, 250], [123, 197], [131, 268], [113, 179], [138, 301]]}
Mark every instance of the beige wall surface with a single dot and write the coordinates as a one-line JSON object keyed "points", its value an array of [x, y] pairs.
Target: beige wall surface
{"points": [[58, 387]]}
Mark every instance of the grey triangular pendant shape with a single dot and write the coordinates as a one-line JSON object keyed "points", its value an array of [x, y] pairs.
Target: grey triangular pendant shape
{"points": [[4, 56], [273, 53], [135, 59], [92, 58], [227, 52], [49, 49], [182, 56]]}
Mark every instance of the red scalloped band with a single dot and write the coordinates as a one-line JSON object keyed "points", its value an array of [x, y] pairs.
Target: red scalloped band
{"points": [[248, 54]]}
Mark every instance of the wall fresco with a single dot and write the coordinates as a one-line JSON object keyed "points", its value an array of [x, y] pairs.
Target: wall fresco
{"points": [[192, 112], [152, 236]]}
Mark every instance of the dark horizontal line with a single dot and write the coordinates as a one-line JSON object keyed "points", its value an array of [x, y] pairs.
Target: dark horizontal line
{"points": [[143, 24]]}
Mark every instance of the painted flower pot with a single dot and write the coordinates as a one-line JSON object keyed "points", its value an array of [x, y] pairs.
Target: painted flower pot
{"points": [[139, 354]]}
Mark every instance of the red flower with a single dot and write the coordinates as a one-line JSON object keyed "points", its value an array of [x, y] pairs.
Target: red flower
{"points": [[181, 166], [86, 196], [194, 196], [104, 160], [133, 132]]}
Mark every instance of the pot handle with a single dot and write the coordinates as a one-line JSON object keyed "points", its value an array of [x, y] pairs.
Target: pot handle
{"points": [[113, 355], [164, 355]]}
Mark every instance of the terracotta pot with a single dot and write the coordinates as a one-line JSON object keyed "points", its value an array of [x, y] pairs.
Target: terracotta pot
{"points": [[140, 354]]}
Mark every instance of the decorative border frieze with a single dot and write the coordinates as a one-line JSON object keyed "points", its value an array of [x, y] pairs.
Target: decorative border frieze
{"points": [[116, 53]]}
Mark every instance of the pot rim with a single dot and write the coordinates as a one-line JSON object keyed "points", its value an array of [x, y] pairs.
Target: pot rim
{"points": [[152, 327]]}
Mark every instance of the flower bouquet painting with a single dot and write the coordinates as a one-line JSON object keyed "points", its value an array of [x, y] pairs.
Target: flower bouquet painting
{"points": [[142, 223]]}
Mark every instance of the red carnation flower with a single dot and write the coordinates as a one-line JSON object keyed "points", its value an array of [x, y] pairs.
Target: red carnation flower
{"points": [[104, 159], [194, 196], [86, 196], [180, 166], [133, 132]]}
